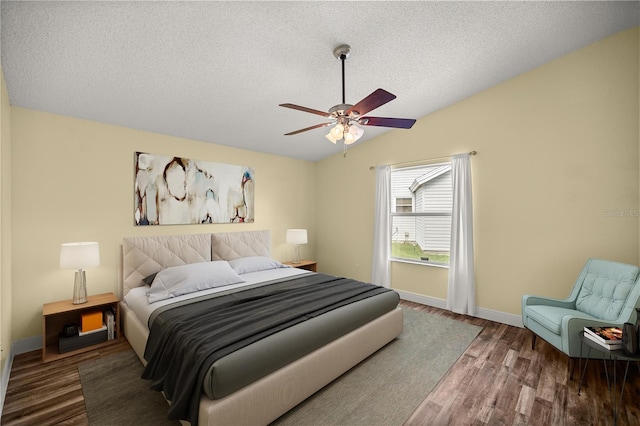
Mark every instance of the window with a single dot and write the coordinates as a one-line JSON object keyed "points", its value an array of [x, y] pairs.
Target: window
{"points": [[421, 219], [404, 205]]}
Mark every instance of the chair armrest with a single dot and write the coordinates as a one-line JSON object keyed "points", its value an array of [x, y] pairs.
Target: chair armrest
{"points": [[574, 325], [528, 300]]}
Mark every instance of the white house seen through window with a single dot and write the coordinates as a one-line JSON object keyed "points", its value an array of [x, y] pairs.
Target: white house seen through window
{"points": [[421, 220], [404, 205]]}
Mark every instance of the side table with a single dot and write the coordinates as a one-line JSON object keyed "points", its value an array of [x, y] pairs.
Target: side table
{"points": [[612, 356], [56, 314], [309, 265]]}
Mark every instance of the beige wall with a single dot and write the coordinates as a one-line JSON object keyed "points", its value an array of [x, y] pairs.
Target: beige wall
{"points": [[555, 180], [5, 223], [73, 181]]}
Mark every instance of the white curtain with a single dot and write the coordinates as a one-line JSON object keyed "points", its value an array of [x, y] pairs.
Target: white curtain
{"points": [[461, 296], [381, 271]]}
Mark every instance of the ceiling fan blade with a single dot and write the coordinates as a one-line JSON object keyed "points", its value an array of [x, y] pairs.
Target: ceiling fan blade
{"points": [[308, 128], [400, 123], [305, 109], [378, 98]]}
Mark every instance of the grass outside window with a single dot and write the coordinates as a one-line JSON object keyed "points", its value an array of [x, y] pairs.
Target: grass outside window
{"points": [[413, 251]]}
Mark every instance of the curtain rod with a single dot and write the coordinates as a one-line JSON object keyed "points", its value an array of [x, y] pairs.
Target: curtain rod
{"points": [[422, 161]]}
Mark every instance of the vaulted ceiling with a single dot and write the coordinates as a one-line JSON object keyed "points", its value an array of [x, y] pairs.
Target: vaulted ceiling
{"points": [[216, 71]]}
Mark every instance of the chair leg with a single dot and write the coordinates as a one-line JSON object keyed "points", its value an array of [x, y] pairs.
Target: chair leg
{"points": [[533, 340], [572, 365]]}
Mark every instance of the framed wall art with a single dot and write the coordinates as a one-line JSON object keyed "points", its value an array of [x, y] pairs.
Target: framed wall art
{"points": [[177, 191]]}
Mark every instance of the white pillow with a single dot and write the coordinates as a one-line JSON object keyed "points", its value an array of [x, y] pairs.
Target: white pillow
{"points": [[178, 280], [244, 265]]}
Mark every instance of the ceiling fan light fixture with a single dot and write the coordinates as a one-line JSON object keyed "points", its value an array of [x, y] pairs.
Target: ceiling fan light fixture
{"points": [[356, 131], [337, 132], [349, 138], [331, 138]]}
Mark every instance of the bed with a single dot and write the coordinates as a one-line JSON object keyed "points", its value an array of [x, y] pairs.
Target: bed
{"points": [[233, 392]]}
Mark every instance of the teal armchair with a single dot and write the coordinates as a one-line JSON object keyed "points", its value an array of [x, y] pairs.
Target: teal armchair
{"points": [[605, 293]]}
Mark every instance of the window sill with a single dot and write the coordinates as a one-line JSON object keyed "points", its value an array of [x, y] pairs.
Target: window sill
{"points": [[417, 262]]}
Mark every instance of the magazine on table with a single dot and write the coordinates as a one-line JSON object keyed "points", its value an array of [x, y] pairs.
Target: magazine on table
{"points": [[605, 334], [608, 337]]}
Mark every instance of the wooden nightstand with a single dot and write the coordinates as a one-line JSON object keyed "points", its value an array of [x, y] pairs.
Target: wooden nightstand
{"points": [[309, 265], [55, 315]]}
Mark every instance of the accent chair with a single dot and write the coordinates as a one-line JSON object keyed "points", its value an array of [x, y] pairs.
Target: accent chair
{"points": [[605, 294]]}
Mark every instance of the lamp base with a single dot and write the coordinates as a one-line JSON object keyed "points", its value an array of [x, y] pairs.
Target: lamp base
{"points": [[296, 256], [80, 288]]}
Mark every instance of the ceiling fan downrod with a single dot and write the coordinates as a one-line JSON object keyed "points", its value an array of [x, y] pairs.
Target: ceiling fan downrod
{"points": [[342, 58], [342, 52]]}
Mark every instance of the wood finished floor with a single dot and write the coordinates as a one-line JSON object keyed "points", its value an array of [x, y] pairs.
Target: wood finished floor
{"points": [[499, 380]]}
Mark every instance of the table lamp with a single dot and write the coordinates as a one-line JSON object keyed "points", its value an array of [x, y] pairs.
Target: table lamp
{"points": [[79, 256], [297, 237]]}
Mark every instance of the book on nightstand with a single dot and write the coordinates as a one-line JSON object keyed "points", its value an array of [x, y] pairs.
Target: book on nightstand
{"points": [[110, 321], [608, 337], [97, 330]]}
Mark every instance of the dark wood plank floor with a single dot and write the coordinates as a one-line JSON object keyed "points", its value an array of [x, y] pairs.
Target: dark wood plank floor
{"points": [[499, 380]]}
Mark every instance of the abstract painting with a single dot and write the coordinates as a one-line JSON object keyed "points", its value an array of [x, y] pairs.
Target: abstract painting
{"points": [[175, 191]]}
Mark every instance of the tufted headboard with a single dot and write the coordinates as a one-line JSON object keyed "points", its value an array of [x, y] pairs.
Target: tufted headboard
{"points": [[143, 256], [232, 245]]}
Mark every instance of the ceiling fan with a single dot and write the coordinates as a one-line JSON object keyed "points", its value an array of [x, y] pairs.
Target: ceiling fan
{"points": [[346, 117]]}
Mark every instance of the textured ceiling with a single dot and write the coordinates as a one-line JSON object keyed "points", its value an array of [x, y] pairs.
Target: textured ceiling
{"points": [[216, 71]]}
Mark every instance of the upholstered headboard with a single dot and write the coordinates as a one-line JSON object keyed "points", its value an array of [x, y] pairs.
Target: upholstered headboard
{"points": [[232, 245], [143, 256]]}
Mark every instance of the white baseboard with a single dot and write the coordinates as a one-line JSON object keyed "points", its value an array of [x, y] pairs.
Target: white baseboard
{"points": [[484, 313], [27, 345], [4, 379], [18, 347]]}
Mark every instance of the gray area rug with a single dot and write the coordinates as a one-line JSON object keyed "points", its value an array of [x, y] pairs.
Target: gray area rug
{"points": [[385, 389], [115, 395]]}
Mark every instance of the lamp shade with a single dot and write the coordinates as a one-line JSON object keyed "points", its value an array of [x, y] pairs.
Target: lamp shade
{"points": [[356, 131], [348, 138], [79, 255], [337, 131], [297, 236]]}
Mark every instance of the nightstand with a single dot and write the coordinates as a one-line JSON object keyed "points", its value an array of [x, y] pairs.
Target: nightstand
{"points": [[55, 315], [309, 265]]}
